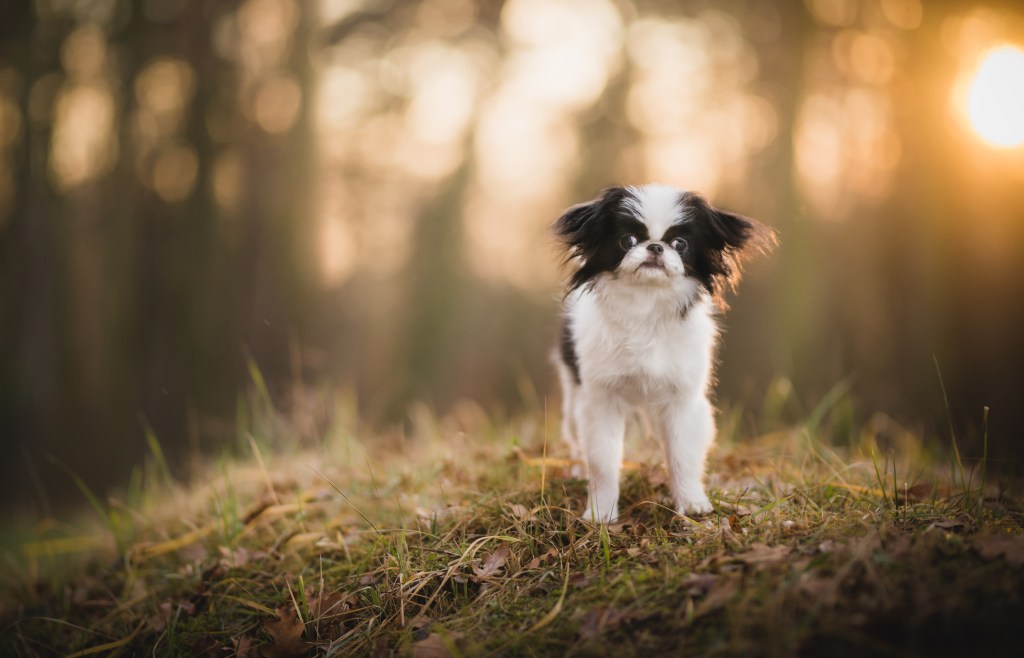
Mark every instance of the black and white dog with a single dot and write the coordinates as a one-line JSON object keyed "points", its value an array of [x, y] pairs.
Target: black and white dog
{"points": [[650, 263]]}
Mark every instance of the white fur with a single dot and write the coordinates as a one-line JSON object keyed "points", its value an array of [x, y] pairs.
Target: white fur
{"points": [[637, 349]]}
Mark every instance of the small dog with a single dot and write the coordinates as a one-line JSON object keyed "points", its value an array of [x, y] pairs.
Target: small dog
{"points": [[639, 330]]}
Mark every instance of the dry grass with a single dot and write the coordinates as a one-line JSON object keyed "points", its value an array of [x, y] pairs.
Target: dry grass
{"points": [[463, 539]]}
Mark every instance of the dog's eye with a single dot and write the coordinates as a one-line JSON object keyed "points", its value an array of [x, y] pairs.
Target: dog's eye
{"points": [[678, 244], [628, 242]]}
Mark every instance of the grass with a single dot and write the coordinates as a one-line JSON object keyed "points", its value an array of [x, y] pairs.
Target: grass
{"points": [[463, 539]]}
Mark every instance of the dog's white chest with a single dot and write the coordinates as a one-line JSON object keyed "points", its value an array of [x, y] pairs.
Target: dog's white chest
{"points": [[643, 352]]}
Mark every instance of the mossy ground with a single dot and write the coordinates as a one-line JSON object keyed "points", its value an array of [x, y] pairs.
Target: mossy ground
{"points": [[461, 537]]}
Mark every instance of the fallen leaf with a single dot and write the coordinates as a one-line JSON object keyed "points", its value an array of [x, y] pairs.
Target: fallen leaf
{"points": [[238, 557], [717, 598], [817, 588], [432, 646], [582, 579], [520, 512], [736, 509], [420, 625], [493, 563], [698, 584], [329, 611], [285, 634], [1009, 547], [898, 546], [541, 559], [599, 619], [951, 525], [158, 622], [167, 611], [923, 491], [330, 604], [244, 649], [761, 554], [206, 646]]}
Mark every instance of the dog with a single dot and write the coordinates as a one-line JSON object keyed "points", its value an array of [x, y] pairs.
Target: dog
{"points": [[650, 267]]}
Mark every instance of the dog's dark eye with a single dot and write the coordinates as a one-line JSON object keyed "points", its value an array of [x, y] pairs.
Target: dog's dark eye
{"points": [[628, 242], [678, 244]]}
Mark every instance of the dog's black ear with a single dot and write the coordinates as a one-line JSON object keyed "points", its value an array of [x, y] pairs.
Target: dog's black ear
{"points": [[570, 225], [582, 225], [585, 229], [724, 238]]}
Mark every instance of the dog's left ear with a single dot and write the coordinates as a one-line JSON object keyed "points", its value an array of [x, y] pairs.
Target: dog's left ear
{"points": [[726, 237]]}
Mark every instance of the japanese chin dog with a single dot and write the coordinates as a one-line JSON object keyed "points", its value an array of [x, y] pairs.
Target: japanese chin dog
{"points": [[650, 267]]}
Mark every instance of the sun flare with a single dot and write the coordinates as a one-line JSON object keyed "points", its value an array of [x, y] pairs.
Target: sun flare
{"points": [[995, 100]]}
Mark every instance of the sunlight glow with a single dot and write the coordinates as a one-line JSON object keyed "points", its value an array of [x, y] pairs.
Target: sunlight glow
{"points": [[995, 100]]}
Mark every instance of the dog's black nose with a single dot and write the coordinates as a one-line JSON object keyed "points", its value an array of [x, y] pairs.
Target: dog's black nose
{"points": [[655, 248]]}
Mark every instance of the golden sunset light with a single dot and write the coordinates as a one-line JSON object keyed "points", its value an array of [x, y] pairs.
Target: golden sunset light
{"points": [[995, 100]]}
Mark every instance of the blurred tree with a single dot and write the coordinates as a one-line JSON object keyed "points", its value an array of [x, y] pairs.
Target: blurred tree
{"points": [[360, 193], [131, 295]]}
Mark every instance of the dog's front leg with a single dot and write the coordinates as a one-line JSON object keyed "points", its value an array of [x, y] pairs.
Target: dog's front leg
{"points": [[601, 417], [688, 430]]}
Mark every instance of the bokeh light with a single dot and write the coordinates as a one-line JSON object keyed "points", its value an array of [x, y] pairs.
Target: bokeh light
{"points": [[995, 99]]}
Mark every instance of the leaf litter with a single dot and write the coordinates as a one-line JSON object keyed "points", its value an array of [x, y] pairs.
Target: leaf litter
{"points": [[791, 553]]}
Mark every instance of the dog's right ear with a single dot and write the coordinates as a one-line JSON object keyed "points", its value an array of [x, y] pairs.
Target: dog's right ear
{"points": [[571, 223], [582, 226], [586, 230]]}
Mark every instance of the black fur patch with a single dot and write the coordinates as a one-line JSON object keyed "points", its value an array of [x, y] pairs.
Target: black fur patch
{"points": [[567, 348], [716, 238], [593, 232]]}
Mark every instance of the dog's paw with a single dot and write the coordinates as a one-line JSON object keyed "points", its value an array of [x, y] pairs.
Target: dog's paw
{"points": [[594, 515], [695, 506]]}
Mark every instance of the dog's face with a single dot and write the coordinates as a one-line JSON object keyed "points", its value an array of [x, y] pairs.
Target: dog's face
{"points": [[656, 235]]}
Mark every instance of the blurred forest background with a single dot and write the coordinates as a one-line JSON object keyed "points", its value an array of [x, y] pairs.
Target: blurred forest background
{"points": [[355, 195]]}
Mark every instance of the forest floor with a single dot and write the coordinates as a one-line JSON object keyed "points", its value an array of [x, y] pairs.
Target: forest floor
{"points": [[461, 537]]}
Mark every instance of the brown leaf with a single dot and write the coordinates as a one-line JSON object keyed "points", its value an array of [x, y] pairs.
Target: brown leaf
{"points": [[698, 584], [541, 559], [899, 545], [329, 611], [582, 579], [493, 563], [432, 646], [158, 622], [761, 554], [285, 634], [816, 587], [952, 525], [330, 604], [1010, 547], [520, 512], [717, 598], [244, 649], [923, 491], [238, 557], [167, 611], [599, 619]]}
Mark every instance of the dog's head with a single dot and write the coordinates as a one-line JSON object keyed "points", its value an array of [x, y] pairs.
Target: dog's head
{"points": [[656, 235]]}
